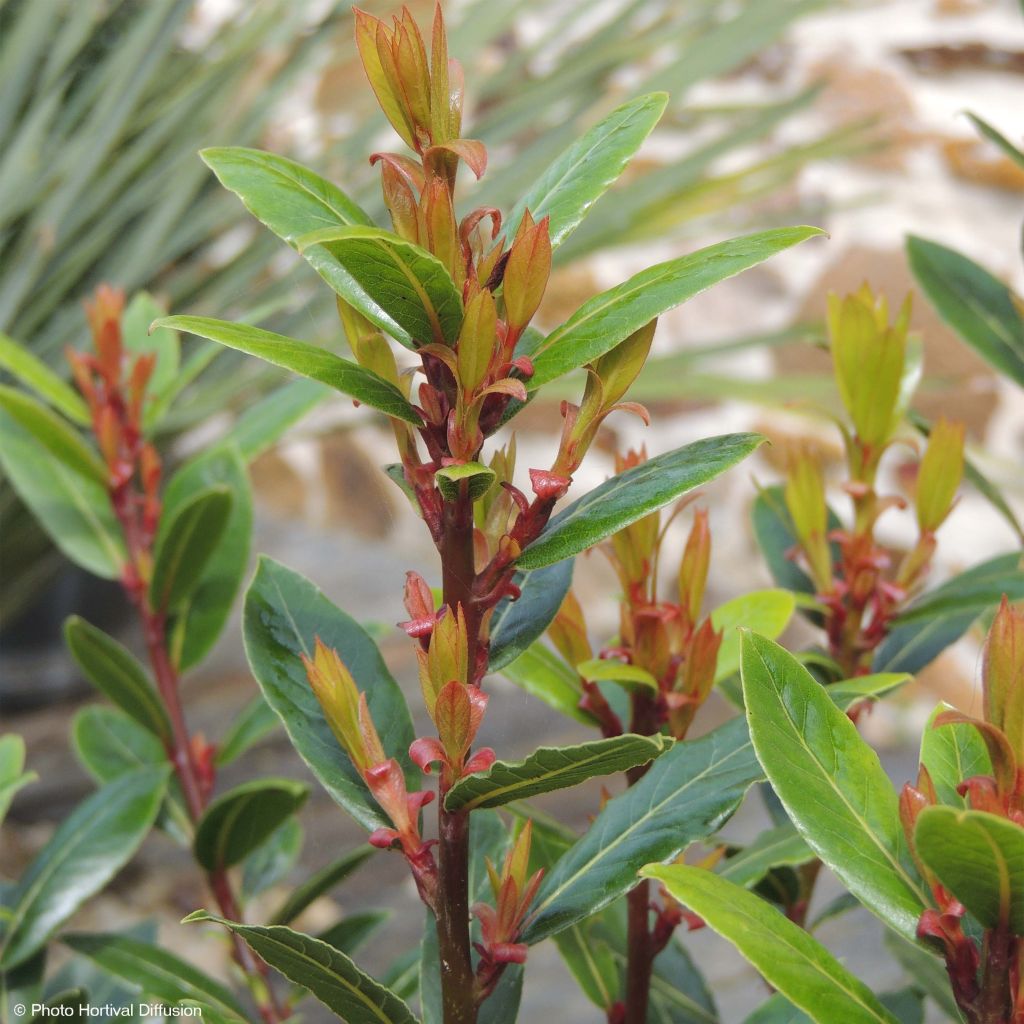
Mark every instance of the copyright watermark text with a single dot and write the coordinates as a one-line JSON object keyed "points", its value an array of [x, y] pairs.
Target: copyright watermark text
{"points": [[134, 1011]]}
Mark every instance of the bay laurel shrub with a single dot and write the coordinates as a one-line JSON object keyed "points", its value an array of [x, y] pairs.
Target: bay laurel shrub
{"points": [[438, 311]]}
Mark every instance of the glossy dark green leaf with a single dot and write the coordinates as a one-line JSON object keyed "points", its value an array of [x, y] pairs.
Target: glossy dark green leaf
{"points": [[324, 971], [831, 783], [320, 883], [74, 510], [186, 545], [256, 720], [163, 342], [941, 616], [54, 433], [544, 675], [117, 674], [155, 971], [21, 363], [952, 754], [353, 930], [978, 306], [303, 358], [403, 289], [581, 175], [271, 861], [288, 198], [631, 495], [517, 624], [92, 844], [109, 743], [790, 960], [551, 768], [284, 613], [605, 320], [238, 821], [200, 618], [687, 794], [979, 858], [773, 848]]}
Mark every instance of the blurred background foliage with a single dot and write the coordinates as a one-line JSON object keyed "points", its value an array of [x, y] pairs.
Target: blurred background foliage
{"points": [[104, 105]]}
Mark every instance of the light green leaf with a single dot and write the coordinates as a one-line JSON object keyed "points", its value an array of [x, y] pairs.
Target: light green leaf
{"points": [[979, 858], [766, 612], [154, 971], [776, 847], [789, 958], [186, 544], [117, 674], [272, 861], [609, 670], [688, 794], [256, 720], [830, 782], [303, 358], [579, 177], [12, 777], [199, 620], [263, 424], [978, 306], [109, 743], [284, 613], [403, 289], [74, 510], [631, 495], [55, 434], [605, 320], [238, 821], [34, 373], [92, 844], [163, 342], [480, 478], [515, 625], [952, 754], [319, 883], [551, 768], [324, 971]]}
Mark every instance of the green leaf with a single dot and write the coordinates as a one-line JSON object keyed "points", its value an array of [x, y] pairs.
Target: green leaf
{"points": [[978, 306], [235, 823], [580, 176], [927, 970], [154, 971], [515, 625], [34, 373], [776, 847], [551, 768], [262, 425], [688, 794], [609, 670], [540, 672], [788, 957], [352, 931], [777, 1010], [256, 720], [74, 510], [162, 342], [831, 783], [303, 358], [605, 320], [590, 959], [403, 289], [318, 884], [449, 477], [283, 615], [996, 136], [272, 860], [117, 674], [92, 844], [109, 744], [979, 858], [288, 198], [952, 753], [199, 620], [941, 616], [12, 777], [633, 494], [324, 971], [766, 612], [55, 434]]}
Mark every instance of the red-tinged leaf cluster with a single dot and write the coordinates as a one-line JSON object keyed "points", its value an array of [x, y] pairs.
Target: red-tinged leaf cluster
{"points": [[114, 386], [500, 925], [1002, 794], [863, 590]]}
